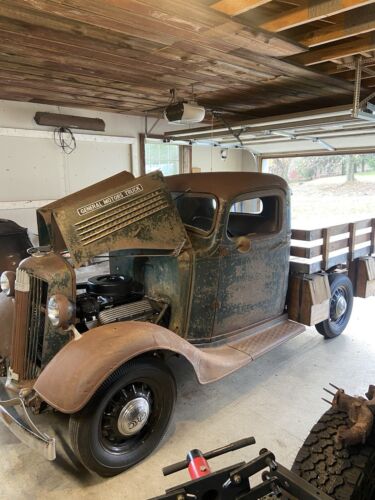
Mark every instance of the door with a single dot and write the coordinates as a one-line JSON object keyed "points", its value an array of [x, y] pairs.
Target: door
{"points": [[254, 262]]}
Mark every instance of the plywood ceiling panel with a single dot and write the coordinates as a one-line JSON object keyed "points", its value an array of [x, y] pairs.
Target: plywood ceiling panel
{"points": [[243, 57]]}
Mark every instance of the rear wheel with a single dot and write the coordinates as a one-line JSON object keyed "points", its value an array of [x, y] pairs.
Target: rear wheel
{"points": [[126, 418], [341, 305], [343, 473]]}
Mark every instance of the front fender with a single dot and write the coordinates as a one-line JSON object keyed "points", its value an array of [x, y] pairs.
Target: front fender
{"points": [[71, 378]]}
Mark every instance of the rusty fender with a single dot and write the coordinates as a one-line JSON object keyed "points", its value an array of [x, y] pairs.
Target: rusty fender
{"points": [[71, 378]]}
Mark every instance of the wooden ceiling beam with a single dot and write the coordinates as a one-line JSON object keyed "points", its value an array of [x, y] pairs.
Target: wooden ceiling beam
{"points": [[48, 90], [237, 7], [349, 74], [38, 83], [348, 25], [70, 103], [312, 11], [337, 51]]}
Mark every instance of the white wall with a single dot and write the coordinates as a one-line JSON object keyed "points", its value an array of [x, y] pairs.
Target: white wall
{"points": [[34, 170], [208, 159]]}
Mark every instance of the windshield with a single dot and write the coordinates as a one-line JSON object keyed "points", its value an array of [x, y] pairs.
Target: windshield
{"points": [[197, 210]]}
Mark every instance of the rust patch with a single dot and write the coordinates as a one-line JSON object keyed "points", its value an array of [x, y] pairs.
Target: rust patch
{"points": [[361, 415], [133, 214]]}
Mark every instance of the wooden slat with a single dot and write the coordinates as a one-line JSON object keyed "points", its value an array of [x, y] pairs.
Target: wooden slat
{"points": [[339, 229], [337, 51], [338, 245], [306, 253], [305, 267], [306, 234], [313, 11], [334, 261], [361, 238], [363, 224], [236, 7], [348, 25]]}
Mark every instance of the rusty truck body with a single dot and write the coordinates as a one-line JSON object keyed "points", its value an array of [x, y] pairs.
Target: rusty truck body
{"points": [[202, 266]]}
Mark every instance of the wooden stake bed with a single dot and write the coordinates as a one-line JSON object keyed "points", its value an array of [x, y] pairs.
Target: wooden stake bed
{"points": [[320, 249]]}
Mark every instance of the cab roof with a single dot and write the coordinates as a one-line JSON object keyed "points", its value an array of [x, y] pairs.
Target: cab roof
{"points": [[225, 185]]}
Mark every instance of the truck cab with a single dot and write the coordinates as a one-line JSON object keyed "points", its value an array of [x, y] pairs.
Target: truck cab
{"points": [[234, 271]]}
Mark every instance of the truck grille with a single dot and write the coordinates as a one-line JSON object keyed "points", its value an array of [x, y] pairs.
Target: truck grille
{"points": [[36, 320], [31, 298]]}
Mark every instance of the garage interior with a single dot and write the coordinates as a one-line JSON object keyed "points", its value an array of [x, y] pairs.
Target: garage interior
{"points": [[84, 86]]}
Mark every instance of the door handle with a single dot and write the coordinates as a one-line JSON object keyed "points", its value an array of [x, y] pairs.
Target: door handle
{"points": [[243, 244]]}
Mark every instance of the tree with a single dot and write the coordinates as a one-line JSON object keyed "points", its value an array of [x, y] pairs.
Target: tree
{"points": [[350, 168]]}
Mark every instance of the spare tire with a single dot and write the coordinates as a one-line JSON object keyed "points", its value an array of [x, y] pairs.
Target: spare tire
{"points": [[344, 473]]}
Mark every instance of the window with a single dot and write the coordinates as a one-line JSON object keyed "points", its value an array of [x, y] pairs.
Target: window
{"points": [[254, 216], [197, 211], [161, 156]]}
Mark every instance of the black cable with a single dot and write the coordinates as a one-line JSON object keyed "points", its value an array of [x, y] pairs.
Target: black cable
{"points": [[65, 139]]}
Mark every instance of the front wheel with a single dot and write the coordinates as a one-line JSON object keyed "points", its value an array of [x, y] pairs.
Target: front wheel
{"points": [[340, 309], [126, 418]]}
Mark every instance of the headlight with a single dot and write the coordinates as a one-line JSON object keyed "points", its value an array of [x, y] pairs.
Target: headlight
{"points": [[7, 281], [60, 310]]}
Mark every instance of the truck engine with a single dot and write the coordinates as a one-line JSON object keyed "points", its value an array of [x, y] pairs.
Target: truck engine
{"points": [[109, 298]]}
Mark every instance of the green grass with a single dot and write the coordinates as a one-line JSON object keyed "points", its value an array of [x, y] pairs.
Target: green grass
{"points": [[370, 172]]}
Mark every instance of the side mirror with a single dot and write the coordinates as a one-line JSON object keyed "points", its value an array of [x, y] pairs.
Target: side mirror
{"points": [[243, 244]]}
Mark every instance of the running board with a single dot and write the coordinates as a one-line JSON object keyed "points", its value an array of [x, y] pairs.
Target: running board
{"points": [[217, 361]]}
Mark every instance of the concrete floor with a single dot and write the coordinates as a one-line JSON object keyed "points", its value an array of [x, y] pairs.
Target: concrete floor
{"points": [[276, 399]]}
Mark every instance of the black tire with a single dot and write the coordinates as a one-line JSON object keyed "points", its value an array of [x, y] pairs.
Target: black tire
{"points": [[343, 473], [340, 285], [94, 432]]}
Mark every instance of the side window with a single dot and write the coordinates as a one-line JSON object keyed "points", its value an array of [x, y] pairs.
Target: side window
{"points": [[254, 216], [196, 210]]}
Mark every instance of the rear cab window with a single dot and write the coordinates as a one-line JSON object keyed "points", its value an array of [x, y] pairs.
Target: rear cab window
{"points": [[197, 210], [254, 215]]}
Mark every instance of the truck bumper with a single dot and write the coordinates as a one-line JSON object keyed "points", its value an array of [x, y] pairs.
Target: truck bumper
{"points": [[24, 428]]}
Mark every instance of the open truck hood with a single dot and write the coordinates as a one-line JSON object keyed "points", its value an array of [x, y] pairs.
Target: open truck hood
{"points": [[118, 213]]}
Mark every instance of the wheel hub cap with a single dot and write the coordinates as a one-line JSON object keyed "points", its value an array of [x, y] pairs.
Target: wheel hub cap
{"points": [[340, 307], [133, 417]]}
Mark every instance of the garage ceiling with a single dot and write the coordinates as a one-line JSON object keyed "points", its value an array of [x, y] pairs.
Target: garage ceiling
{"points": [[247, 58]]}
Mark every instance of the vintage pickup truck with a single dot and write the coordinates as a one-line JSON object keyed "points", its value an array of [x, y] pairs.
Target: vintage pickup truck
{"points": [[200, 266]]}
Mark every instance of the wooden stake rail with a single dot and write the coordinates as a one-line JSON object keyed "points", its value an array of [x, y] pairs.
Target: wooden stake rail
{"points": [[320, 249]]}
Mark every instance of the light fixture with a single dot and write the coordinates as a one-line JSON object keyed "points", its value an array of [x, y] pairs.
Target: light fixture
{"points": [[69, 121], [223, 154]]}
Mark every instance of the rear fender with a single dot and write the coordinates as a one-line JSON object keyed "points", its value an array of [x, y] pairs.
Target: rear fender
{"points": [[71, 378]]}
